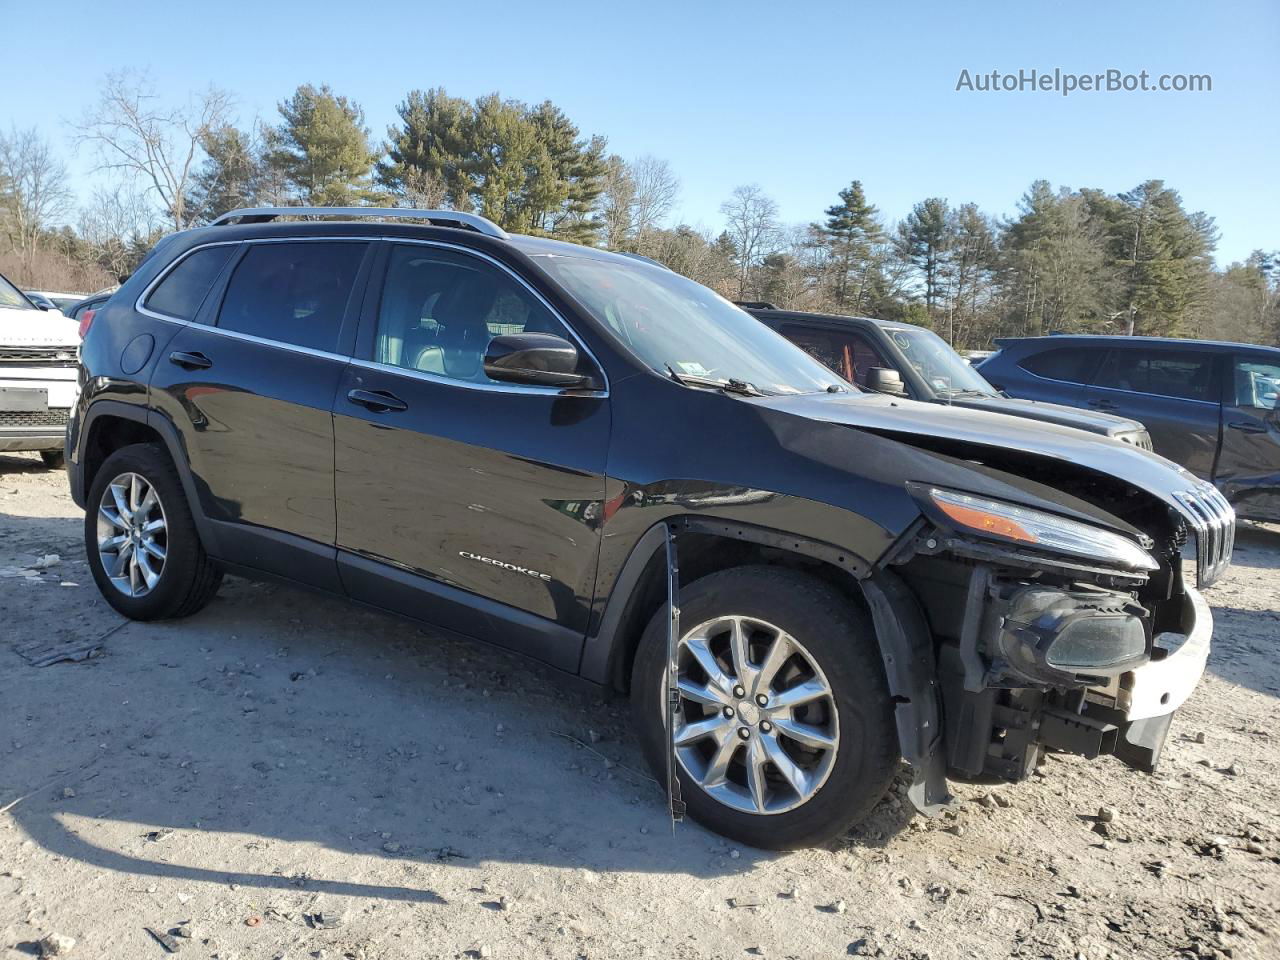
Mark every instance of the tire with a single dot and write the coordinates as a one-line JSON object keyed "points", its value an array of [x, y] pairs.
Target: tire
{"points": [[53, 459], [837, 638], [186, 578]]}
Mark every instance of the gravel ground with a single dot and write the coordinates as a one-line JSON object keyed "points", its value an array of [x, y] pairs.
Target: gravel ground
{"points": [[285, 775]]}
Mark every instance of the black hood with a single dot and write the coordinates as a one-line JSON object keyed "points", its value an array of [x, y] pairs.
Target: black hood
{"points": [[925, 424], [1091, 420]]}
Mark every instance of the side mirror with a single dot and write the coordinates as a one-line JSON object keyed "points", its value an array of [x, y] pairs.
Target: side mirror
{"points": [[540, 359], [885, 380]]}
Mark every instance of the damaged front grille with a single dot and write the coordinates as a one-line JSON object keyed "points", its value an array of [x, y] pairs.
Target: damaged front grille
{"points": [[1214, 524]]}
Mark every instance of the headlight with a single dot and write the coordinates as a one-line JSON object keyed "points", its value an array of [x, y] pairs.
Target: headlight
{"points": [[1005, 521]]}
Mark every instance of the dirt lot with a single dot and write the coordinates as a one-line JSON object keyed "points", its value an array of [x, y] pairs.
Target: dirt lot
{"points": [[288, 776]]}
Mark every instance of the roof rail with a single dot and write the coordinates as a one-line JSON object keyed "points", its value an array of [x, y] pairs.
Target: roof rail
{"points": [[452, 218], [754, 305]]}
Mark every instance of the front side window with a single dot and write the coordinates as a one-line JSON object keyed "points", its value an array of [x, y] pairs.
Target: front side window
{"points": [[1257, 383], [673, 324], [948, 373], [1184, 375], [184, 288], [440, 308], [850, 355], [293, 293]]}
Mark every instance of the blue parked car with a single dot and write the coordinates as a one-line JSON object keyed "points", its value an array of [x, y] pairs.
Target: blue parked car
{"points": [[1210, 406]]}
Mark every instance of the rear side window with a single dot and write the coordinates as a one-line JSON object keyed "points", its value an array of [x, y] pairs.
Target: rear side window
{"points": [[1074, 365], [292, 292], [1167, 373], [183, 289]]}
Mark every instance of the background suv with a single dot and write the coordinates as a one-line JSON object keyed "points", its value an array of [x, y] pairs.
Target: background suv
{"points": [[863, 349], [606, 466], [37, 375], [1209, 406]]}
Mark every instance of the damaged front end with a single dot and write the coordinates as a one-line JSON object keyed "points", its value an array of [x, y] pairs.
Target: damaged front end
{"points": [[1056, 634]]}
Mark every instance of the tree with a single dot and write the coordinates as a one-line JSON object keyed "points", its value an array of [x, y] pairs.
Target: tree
{"points": [[851, 229], [232, 175], [33, 188], [321, 148], [1162, 255], [922, 241], [970, 260], [617, 203], [656, 189], [118, 227], [528, 169], [136, 134], [751, 218]]}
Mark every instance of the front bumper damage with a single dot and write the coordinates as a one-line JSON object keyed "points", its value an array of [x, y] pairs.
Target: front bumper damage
{"points": [[997, 728]]}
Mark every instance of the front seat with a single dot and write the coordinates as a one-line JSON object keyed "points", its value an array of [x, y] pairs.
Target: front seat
{"points": [[458, 351]]}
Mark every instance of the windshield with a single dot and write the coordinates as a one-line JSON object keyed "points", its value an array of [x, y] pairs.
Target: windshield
{"points": [[946, 371], [11, 296], [668, 321]]}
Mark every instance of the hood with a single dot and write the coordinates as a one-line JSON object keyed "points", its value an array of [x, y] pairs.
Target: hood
{"points": [[37, 328], [910, 421], [1091, 420]]}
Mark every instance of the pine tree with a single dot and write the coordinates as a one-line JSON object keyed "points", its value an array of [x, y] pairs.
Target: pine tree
{"points": [[922, 240], [322, 148], [852, 228]]}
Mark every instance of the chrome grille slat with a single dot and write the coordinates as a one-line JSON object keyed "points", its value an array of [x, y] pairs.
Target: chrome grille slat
{"points": [[1213, 521]]}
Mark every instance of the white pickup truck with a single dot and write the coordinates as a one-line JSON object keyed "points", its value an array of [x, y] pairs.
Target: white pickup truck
{"points": [[37, 375]]}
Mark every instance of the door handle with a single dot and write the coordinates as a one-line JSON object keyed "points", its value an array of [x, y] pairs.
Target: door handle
{"points": [[1247, 426], [1102, 404], [379, 401], [191, 361]]}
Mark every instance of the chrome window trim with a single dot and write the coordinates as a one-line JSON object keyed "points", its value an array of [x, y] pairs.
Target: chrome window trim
{"points": [[140, 303], [500, 388], [1148, 393]]}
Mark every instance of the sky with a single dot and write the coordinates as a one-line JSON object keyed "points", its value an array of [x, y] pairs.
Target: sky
{"points": [[799, 97]]}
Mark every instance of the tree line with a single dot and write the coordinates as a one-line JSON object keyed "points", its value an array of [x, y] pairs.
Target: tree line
{"points": [[1069, 259]]}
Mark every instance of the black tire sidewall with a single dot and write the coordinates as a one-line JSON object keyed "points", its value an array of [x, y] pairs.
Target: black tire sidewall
{"points": [[840, 636], [184, 553]]}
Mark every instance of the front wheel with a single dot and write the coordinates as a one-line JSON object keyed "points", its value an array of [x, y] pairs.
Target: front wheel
{"points": [[143, 547], [784, 736]]}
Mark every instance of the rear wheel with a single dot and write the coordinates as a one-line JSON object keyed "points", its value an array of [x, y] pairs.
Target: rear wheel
{"points": [[141, 540], [785, 734]]}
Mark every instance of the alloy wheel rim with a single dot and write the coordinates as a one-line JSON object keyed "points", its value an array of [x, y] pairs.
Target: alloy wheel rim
{"points": [[756, 727], [133, 535]]}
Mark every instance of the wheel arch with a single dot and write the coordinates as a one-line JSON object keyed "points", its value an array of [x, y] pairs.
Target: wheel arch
{"points": [[706, 545], [110, 425]]}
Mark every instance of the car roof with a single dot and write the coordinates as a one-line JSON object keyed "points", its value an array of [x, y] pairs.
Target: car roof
{"points": [[374, 228], [829, 318], [1107, 340]]}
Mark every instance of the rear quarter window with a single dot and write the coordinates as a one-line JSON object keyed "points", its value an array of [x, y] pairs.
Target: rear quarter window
{"points": [[184, 287], [1070, 364]]}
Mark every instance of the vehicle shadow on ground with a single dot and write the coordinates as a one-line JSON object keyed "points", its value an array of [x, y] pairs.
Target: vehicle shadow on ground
{"points": [[281, 715], [12, 464]]}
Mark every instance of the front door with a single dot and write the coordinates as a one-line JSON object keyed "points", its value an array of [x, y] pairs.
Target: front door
{"points": [[252, 389], [1248, 471], [466, 502], [1171, 391]]}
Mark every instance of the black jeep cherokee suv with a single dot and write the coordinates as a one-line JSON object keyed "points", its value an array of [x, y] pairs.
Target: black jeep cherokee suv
{"points": [[523, 441]]}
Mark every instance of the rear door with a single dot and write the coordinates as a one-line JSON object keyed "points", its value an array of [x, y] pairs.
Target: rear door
{"points": [[251, 389], [1248, 471], [1171, 390], [469, 503], [1055, 375]]}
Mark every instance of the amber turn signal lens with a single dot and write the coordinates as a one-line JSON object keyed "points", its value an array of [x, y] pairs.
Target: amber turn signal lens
{"points": [[991, 523]]}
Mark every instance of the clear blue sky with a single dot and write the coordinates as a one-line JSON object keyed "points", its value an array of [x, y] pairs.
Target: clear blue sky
{"points": [[800, 97]]}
